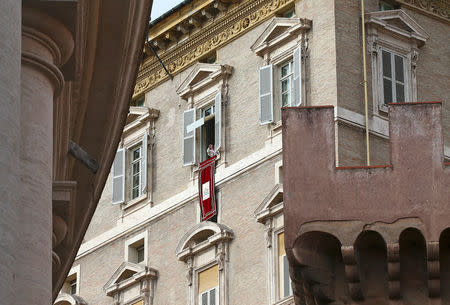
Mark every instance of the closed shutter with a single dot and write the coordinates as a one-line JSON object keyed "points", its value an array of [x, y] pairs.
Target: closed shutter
{"points": [[119, 177], [266, 94], [218, 122], [144, 164], [297, 96], [188, 138]]}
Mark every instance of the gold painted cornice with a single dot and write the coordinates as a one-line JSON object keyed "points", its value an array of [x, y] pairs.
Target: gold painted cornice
{"points": [[436, 8], [237, 21]]}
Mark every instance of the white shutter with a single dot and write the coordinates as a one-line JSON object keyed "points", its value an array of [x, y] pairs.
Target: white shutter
{"points": [[144, 164], [266, 94], [297, 96], [218, 121], [119, 177], [188, 138]]}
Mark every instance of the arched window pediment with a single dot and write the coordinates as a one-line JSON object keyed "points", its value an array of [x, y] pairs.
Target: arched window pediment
{"points": [[69, 299], [202, 236]]}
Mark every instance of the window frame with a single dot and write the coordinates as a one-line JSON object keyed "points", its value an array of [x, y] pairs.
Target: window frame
{"points": [[216, 296], [384, 34], [290, 76], [131, 163], [393, 78], [131, 246]]}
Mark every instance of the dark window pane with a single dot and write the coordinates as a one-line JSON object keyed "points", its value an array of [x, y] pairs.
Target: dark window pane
{"points": [[205, 298], [285, 85], [136, 154], [140, 254], [387, 91], [400, 93], [387, 64], [399, 75], [286, 279], [212, 297], [285, 100], [135, 193], [136, 167], [284, 70]]}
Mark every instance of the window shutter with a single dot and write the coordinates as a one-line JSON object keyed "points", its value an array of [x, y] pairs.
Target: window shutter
{"points": [[266, 94], [144, 164], [188, 138], [119, 177], [297, 94], [218, 122]]}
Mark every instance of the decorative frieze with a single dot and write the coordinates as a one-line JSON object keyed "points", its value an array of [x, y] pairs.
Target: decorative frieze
{"points": [[439, 8], [220, 32]]}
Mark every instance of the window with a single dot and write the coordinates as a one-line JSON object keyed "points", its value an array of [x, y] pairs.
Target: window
{"points": [[136, 249], [207, 132], [140, 254], [286, 82], [393, 39], [393, 67], [284, 280], [208, 129], [130, 168], [139, 102], [208, 281], [289, 87], [72, 282], [270, 214], [386, 6], [289, 14], [205, 251], [136, 164], [210, 58], [73, 286]]}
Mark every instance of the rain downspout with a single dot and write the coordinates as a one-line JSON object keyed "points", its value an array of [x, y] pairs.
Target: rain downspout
{"points": [[366, 108]]}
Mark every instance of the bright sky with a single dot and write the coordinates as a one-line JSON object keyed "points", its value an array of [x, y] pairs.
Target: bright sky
{"points": [[162, 6]]}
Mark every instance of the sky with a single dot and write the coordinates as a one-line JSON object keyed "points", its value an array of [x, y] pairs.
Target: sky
{"points": [[162, 6]]}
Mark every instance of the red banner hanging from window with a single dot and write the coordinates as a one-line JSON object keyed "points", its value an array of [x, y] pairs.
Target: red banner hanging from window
{"points": [[206, 188]]}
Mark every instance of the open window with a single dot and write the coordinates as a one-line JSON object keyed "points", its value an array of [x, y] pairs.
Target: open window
{"points": [[281, 81], [204, 250], [205, 91], [130, 167], [394, 40]]}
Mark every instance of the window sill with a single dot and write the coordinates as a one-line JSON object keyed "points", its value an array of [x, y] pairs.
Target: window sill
{"points": [[383, 109], [135, 201], [286, 301]]}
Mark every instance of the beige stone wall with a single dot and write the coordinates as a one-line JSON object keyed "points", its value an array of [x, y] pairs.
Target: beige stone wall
{"points": [[106, 215], [321, 62], [239, 198]]}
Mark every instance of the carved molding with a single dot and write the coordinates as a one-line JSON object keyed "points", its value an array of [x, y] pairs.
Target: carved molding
{"points": [[222, 31], [438, 8]]}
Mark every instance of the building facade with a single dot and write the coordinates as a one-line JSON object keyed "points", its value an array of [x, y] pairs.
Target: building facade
{"points": [[228, 68]]}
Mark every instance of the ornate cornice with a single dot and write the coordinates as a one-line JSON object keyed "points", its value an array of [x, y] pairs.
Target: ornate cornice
{"points": [[218, 33], [437, 8]]}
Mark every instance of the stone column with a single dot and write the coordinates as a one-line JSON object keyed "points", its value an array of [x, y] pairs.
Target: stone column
{"points": [[46, 45], [10, 45]]}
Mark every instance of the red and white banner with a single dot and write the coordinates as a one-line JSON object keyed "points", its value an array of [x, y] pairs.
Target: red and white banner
{"points": [[206, 188]]}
